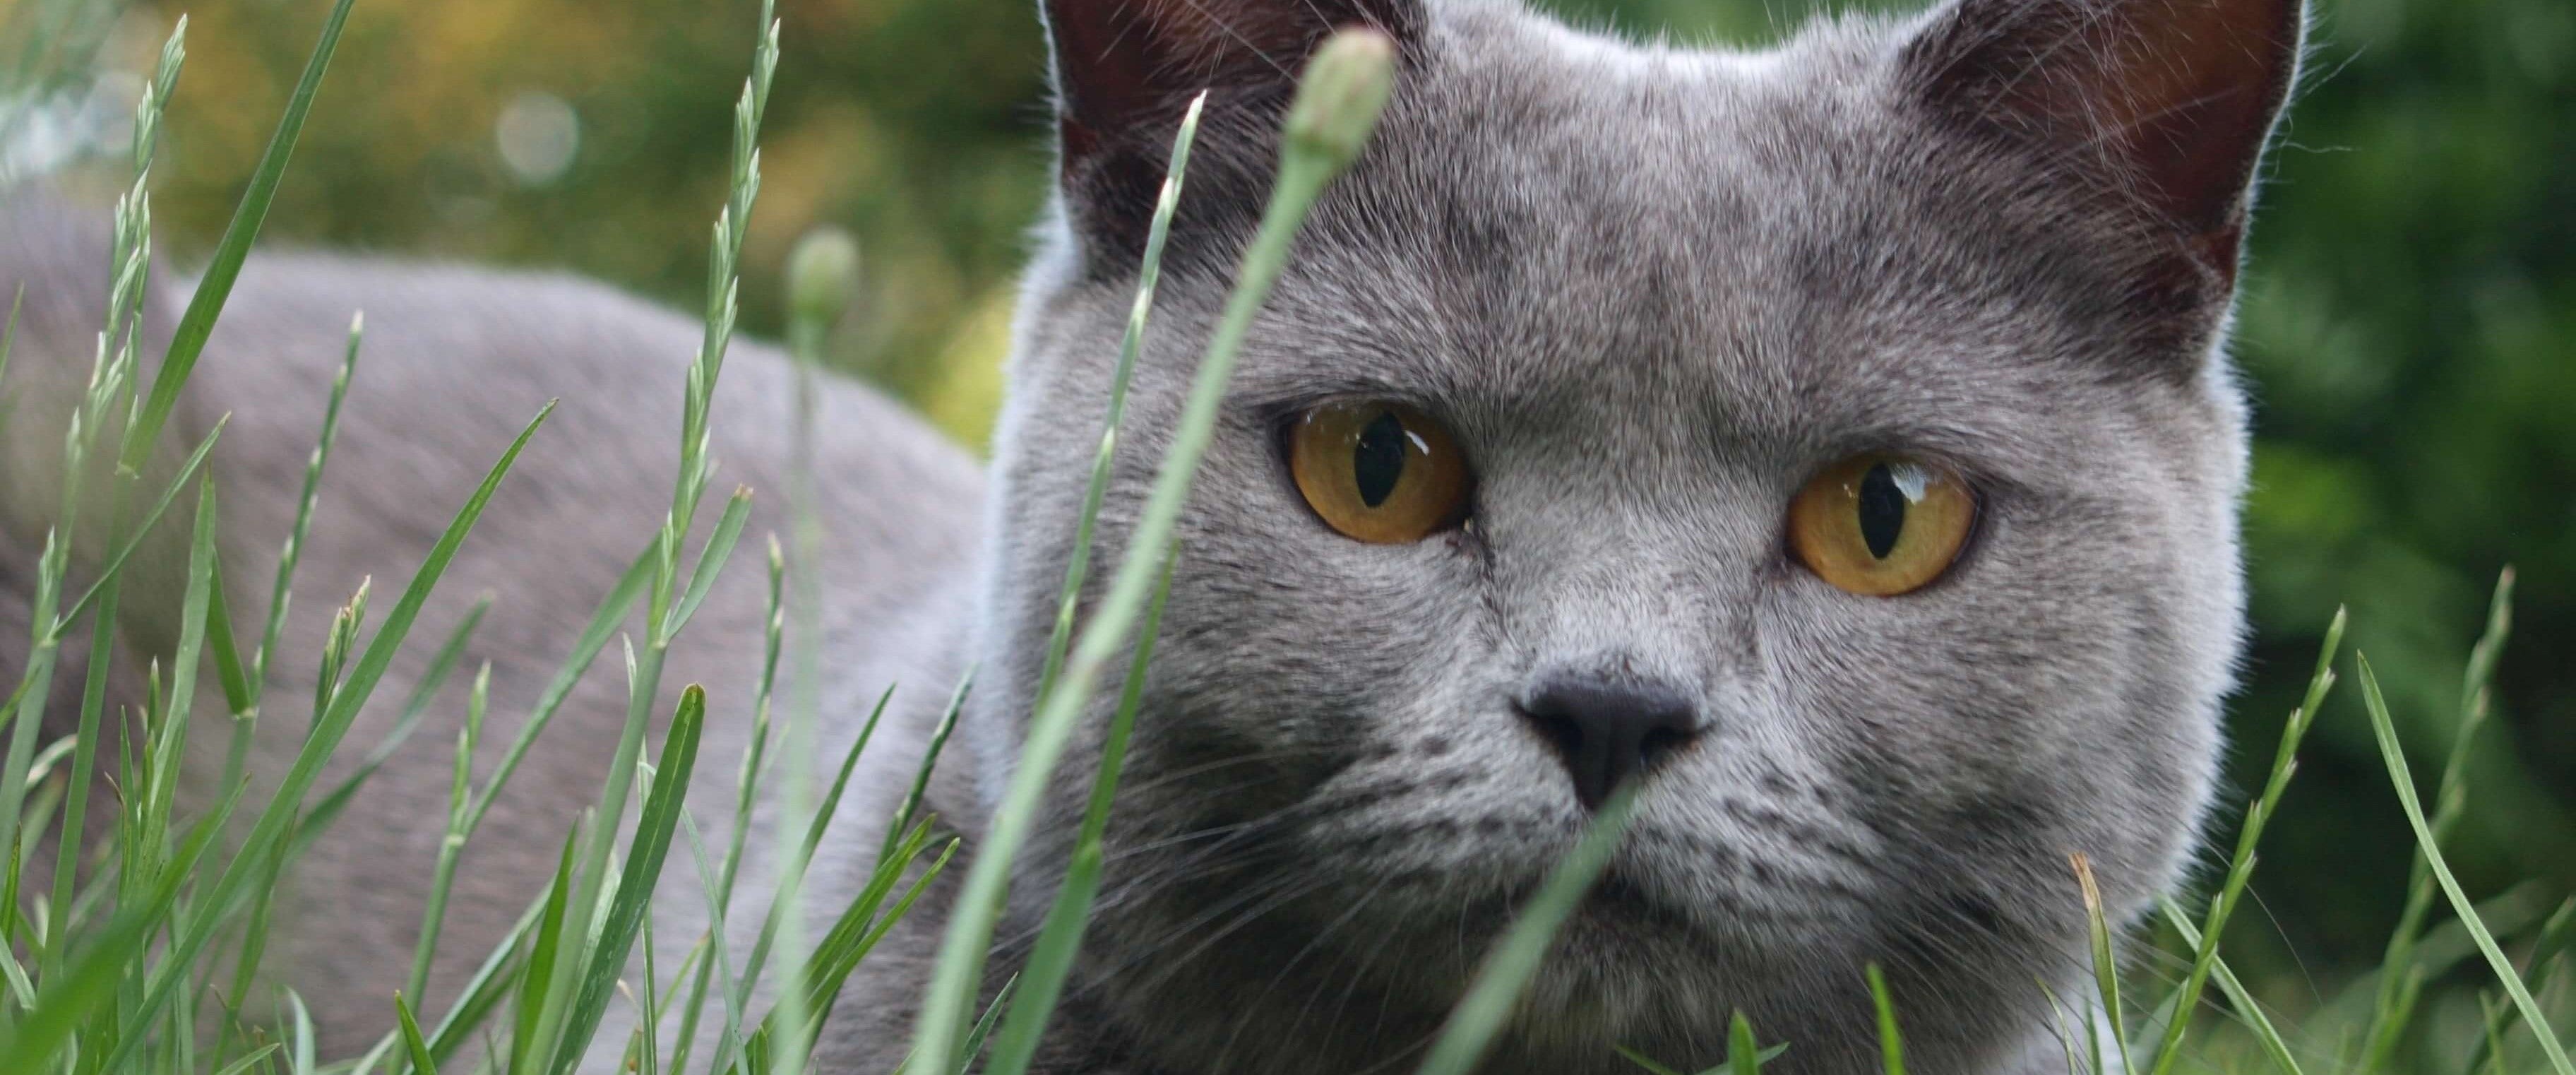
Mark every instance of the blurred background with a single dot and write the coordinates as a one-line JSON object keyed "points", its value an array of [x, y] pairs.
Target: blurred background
{"points": [[2409, 319]]}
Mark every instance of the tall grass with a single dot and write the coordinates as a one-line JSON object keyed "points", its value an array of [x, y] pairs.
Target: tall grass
{"points": [[115, 966]]}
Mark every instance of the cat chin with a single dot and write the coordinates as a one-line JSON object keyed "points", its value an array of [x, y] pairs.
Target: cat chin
{"points": [[1635, 943]]}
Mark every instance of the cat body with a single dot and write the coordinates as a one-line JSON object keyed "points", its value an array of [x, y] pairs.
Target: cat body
{"points": [[1647, 296]]}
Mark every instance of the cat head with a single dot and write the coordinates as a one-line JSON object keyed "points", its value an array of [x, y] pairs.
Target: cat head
{"points": [[1835, 440]]}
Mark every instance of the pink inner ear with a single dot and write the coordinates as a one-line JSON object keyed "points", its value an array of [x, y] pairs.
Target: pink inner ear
{"points": [[2193, 88]]}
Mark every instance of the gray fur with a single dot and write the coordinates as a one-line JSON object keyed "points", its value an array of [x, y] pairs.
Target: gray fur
{"points": [[1651, 290]]}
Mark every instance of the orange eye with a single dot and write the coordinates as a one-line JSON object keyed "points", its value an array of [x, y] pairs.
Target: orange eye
{"points": [[1383, 473], [1879, 525]]}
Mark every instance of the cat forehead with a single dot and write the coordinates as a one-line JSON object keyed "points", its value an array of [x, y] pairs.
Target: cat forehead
{"points": [[1556, 218]]}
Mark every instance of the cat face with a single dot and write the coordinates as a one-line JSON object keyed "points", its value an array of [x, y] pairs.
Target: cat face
{"points": [[1832, 440]]}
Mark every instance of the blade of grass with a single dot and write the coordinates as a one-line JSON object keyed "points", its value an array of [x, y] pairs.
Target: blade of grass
{"points": [[1891, 1042], [794, 861], [114, 566], [746, 786], [1743, 1056], [2388, 1015], [595, 637], [1336, 109], [666, 601], [487, 989], [286, 802], [215, 284], [92, 977], [711, 560], [257, 1058], [2557, 936], [2265, 1034], [903, 815], [2240, 868], [730, 1031], [2106, 963], [542, 954], [425, 690], [2404, 780], [1508, 969], [851, 938], [412, 1042], [459, 793], [1149, 276], [292, 552], [1643, 1061], [1060, 939], [650, 848]]}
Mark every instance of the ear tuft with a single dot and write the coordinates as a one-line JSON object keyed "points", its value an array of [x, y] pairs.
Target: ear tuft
{"points": [[2172, 100], [1126, 69]]}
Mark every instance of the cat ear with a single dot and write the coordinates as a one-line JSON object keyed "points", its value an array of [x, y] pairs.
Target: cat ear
{"points": [[2171, 100], [1125, 70]]}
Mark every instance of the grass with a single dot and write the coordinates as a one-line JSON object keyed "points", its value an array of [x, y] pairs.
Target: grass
{"points": [[115, 966]]}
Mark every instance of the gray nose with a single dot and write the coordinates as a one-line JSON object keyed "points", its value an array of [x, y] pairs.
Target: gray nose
{"points": [[1609, 732]]}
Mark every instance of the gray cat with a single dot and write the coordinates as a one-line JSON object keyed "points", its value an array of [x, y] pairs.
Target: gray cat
{"points": [[1835, 441]]}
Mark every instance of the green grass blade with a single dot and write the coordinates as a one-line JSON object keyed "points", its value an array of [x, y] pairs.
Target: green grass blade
{"points": [[1644, 1061], [327, 809], [92, 978], [412, 1042], [853, 936], [1508, 969], [1318, 146], [1743, 1056], [2106, 963], [2240, 868], [651, 846], [1149, 277], [451, 844], [240, 696], [291, 554], [270, 830], [161, 789], [215, 285], [257, 1058], [1891, 1041], [488, 988], [303, 1036], [595, 637], [2389, 1015], [2557, 937], [984, 1026], [1050, 961], [9, 334], [730, 1031], [2265, 1034], [542, 955], [903, 815], [711, 560], [801, 857], [2404, 780], [115, 564], [746, 797]]}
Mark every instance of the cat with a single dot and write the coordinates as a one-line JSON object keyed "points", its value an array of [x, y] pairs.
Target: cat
{"points": [[1835, 443]]}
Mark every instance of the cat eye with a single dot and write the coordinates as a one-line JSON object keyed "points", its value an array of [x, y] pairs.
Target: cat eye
{"points": [[1879, 525], [1378, 472]]}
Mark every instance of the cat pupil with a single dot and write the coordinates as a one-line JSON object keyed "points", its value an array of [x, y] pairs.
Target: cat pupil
{"points": [[1882, 511], [1379, 459]]}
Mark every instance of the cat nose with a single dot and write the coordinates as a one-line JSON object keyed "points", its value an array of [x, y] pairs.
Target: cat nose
{"points": [[1609, 732]]}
